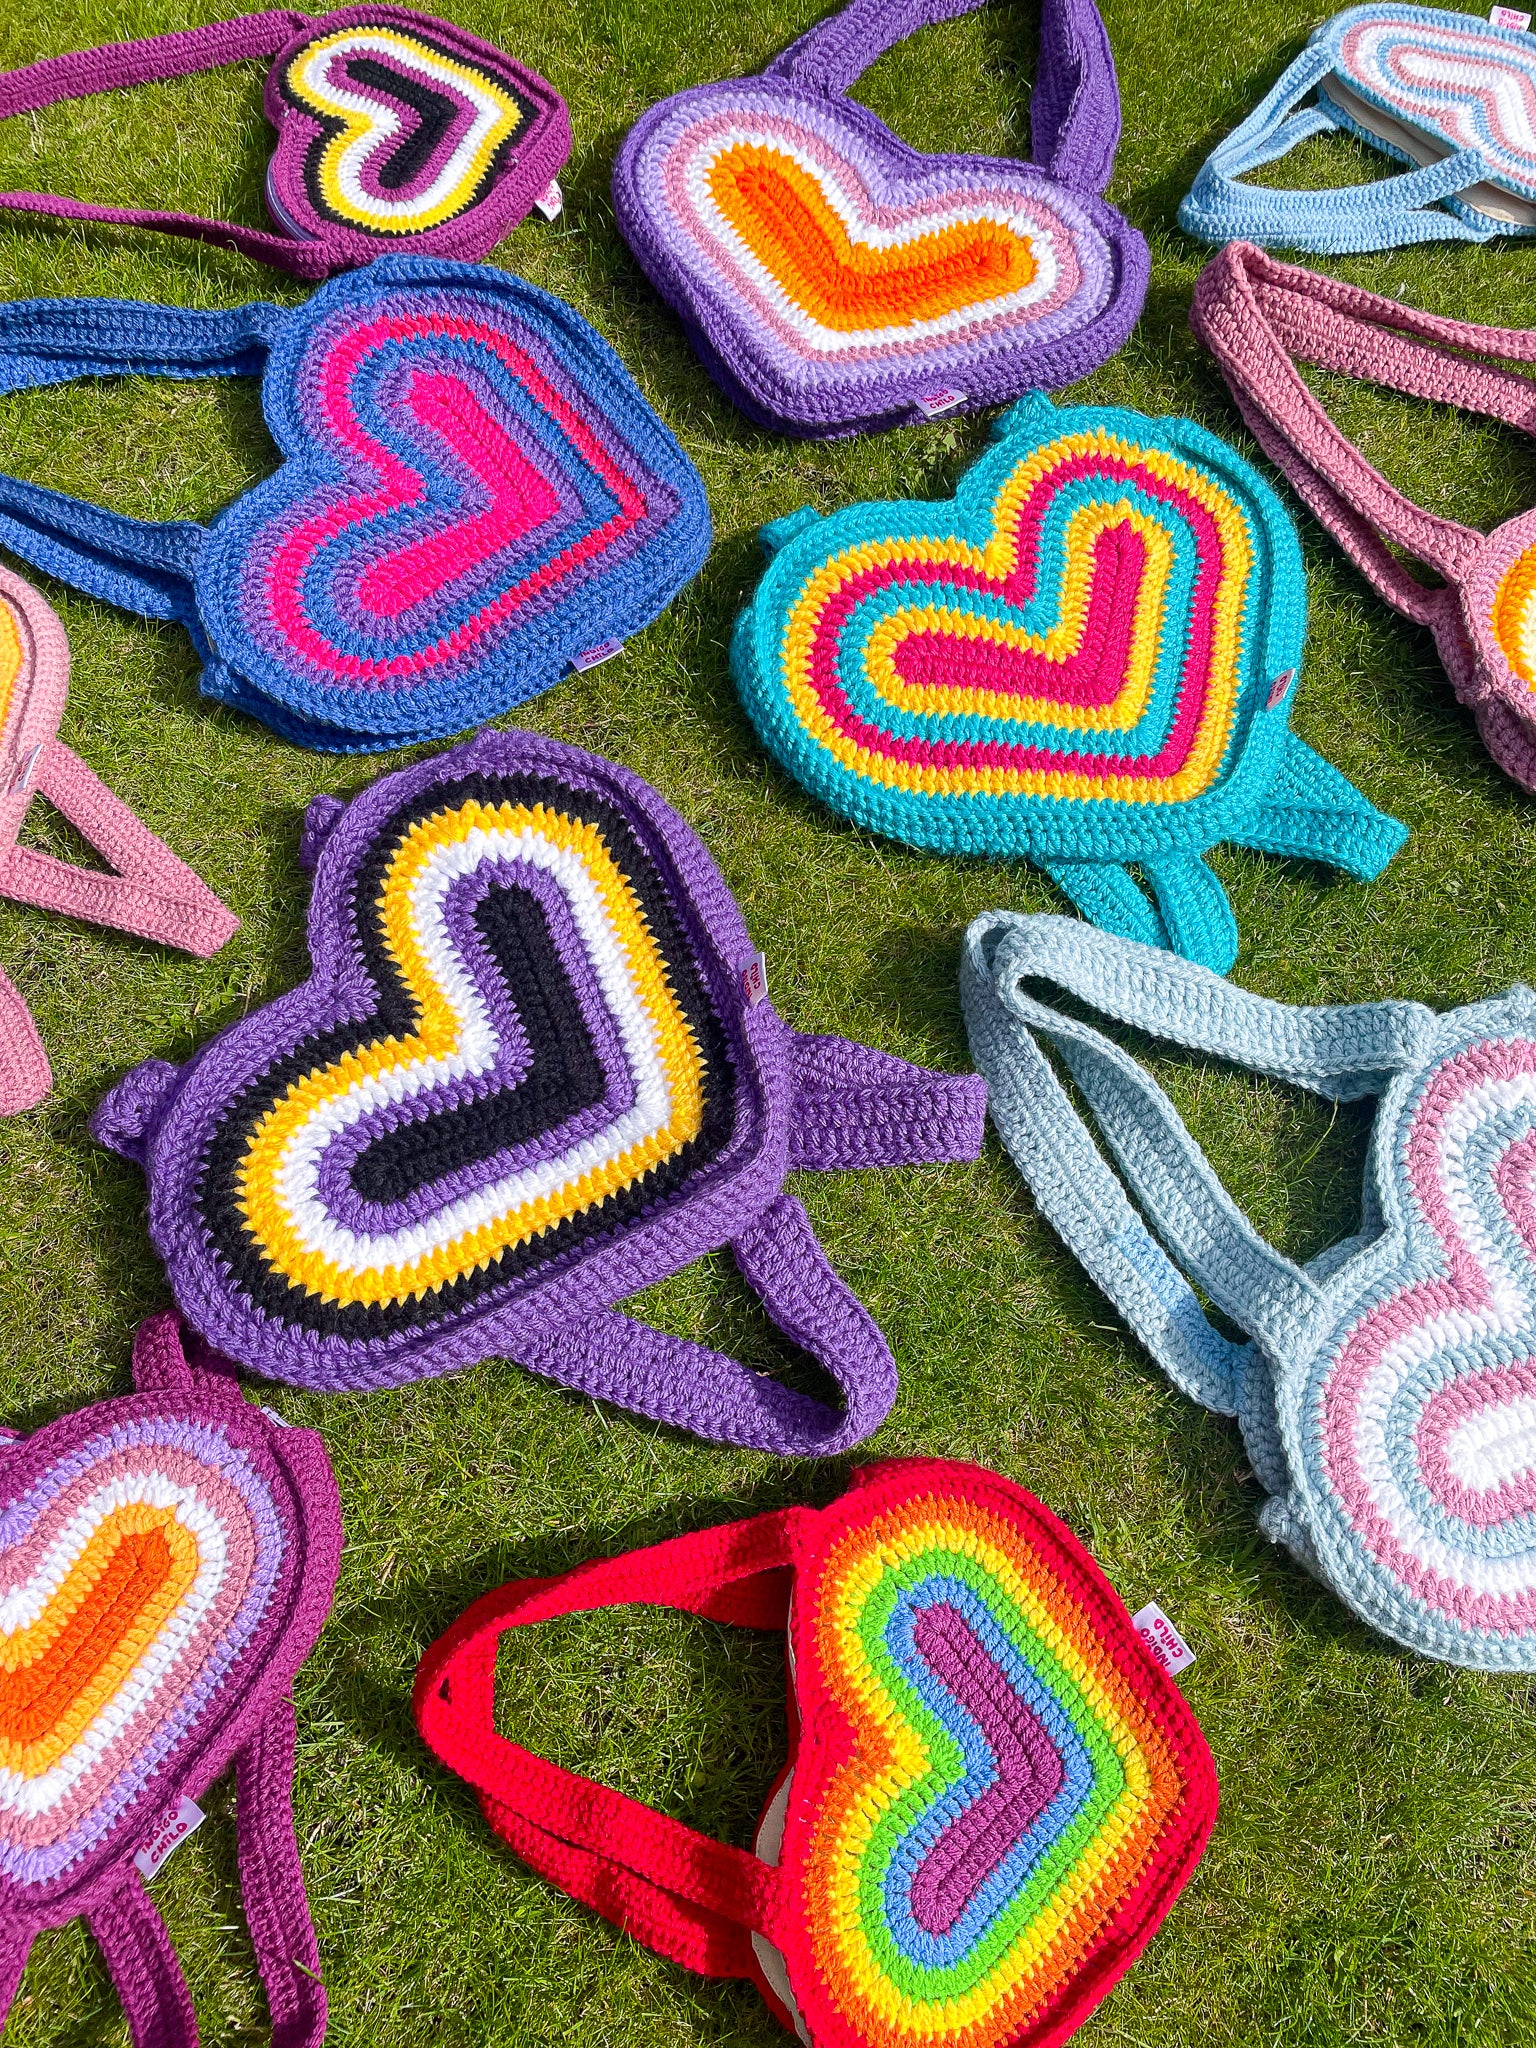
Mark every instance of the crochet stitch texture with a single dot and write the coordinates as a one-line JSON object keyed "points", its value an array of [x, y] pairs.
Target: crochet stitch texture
{"points": [[524, 1080], [392, 128], [149, 892], [1088, 658], [993, 1796], [1449, 94], [472, 493], [835, 281], [1258, 318], [167, 1561], [1387, 1393]]}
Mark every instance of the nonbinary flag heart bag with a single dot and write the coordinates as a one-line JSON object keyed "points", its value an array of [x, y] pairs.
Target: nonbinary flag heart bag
{"points": [[1387, 1390], [167, 1561], [994, 1792], [533, 1070], [472, 494], [394, 130], [834, 281], [1451, 95], [1088, 657]]}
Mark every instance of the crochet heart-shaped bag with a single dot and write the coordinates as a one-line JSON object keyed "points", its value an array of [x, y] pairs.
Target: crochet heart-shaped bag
{"points": [[1387, 1394], [1453, 95], [167, 1562], [1088, 657], [994, 1792], [394, 129], [473, 495], [834, 280], [533, 1071], [1258, 317]]}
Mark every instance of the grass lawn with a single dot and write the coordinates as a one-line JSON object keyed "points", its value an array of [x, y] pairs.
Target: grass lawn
{"points": [[1371, 1876]]}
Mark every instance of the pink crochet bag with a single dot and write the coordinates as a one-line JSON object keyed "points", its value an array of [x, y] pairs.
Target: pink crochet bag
{"points": [[152, 893], [1258, 317]]}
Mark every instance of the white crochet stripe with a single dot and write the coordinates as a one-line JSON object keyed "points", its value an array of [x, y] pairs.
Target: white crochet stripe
{"points": [[812, 333], [1509, 1314], [31, 1797], [297, 1177], [1494, 1445], [314, 73], [1448, 71]]}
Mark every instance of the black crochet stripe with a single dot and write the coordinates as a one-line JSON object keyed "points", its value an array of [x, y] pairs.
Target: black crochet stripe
{"points": [[497, 1121]]}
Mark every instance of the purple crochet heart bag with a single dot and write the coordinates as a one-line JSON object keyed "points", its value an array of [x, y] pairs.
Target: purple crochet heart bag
{"points": [[394, 131], [836, 281], [167, 1561], [533, 1071]]}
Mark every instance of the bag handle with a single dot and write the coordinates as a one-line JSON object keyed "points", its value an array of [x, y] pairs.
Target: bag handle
{"points": [[1344, 1054], [607, 1354], [855, 1107], [1382, 215], [83, 73], [1257, 316], [1075, 104], [272, 1883], [25, 1075], [692, 1899]]}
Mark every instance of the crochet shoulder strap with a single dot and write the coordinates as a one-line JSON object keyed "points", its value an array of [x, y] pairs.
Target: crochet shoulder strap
{"points": [[691, 1899], [1258, 317], [1382, 215], [1075, 105], [1200, 1233], [82, 73], [144, 566]]}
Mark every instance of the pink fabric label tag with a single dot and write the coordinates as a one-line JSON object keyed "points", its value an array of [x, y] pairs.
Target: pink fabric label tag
{"points": [[594, 657], [1163, 1639], [1509, 17], [550, 200], [931, 403], [754, 980], [175, 1830]]}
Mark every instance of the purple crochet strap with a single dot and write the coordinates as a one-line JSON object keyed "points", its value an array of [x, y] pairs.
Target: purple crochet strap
{"points": [[1256, 315], [143, 1967], [607, 1354], [272, 1884], [1075, 105], [15, 1947], [858, 1107]]}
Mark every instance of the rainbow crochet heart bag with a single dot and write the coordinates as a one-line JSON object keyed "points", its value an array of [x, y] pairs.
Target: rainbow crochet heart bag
{"points": [[1452, 95], [1387, 1392], [1089, 657], [994, 1793], [835, 281], [533, 1070], [473, 494], [394, 130], [167, 1562]]}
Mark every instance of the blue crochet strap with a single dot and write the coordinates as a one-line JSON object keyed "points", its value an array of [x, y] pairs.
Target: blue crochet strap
{"points": [[1313, 812], [143, 565], [1382, 215], [1190, 911], [1197, 1231]]}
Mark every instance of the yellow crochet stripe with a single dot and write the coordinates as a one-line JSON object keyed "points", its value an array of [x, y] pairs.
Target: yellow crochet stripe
{"points": [[998, 559], [1514, 616], [13, 654], [398, 217], [842, 1838], [31, 1645], [1060, 644], [437, 1037]]}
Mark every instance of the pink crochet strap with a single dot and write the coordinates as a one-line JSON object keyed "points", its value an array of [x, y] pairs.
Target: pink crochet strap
{"points": [[152, 894], [1258, 316], [272, 1884], [25, 1076], [143, 1967]]}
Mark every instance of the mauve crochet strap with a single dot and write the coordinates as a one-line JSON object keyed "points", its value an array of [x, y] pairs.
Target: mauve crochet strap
{"points": [[272, 1883], [690, 1898], [1256, 314], [25, 1076], [143, 1968], [1075, 105]]}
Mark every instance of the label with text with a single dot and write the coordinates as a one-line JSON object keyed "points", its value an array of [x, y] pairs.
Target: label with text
{"points": [[754, 980], [170, 1835], [550, 200], [931, 403], [1163, 1639], [594, 657]]}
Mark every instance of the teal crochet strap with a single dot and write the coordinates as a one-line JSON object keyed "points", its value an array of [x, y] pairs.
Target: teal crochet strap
{"points": [[1088, 658]]}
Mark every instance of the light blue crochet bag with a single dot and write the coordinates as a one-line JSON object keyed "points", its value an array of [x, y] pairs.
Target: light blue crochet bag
{"points": [[1387, 1395], [1448, 94]]}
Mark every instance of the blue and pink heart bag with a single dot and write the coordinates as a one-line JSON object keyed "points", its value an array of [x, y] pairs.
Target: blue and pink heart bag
{"points": [[473, 497]]}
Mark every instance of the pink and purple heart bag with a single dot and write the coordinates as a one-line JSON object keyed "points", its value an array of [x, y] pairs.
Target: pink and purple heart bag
{"points": [[167, 1562], [395, 130], [835, 281]]}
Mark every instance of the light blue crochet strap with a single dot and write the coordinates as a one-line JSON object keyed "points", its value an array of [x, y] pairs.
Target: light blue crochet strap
{"points": [[1188, 911], [1197, 1231], [1382, 215], [143, 565]]}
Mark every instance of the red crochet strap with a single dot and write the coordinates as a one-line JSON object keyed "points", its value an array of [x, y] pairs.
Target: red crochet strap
{"points": [[692, 1899], [1256, 315]]}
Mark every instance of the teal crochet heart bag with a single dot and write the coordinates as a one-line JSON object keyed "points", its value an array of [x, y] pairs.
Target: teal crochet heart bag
{"points": [[1087, 657]]}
